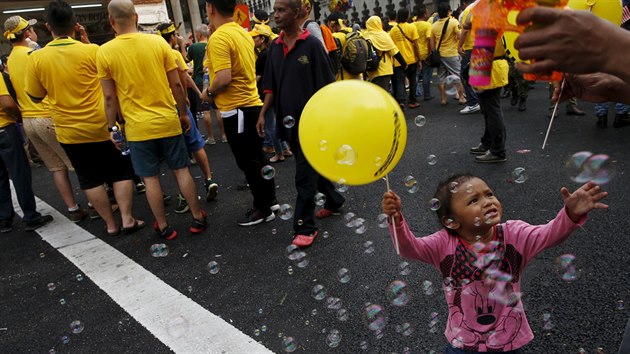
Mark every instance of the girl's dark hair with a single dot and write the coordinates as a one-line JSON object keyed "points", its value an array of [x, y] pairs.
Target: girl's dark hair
{"points": [[444, 195], [60, 17]]}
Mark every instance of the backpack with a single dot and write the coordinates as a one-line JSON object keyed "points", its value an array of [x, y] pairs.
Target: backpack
{"points": [[354, 57], [373, 59]]}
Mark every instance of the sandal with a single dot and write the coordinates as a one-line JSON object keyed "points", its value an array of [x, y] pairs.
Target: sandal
{"points": [[136, 226], [276, 158], [287, 152], [115, 233]]}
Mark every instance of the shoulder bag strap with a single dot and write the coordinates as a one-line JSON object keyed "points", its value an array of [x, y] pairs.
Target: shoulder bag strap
{"points": [[443, 33], [403, 32]]}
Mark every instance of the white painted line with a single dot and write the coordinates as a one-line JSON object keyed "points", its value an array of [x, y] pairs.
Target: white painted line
{"points": [[174, 319]]}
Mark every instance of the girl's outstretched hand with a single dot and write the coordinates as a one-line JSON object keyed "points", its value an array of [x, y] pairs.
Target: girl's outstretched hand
{"points": [[391, 206], [583, 200]]}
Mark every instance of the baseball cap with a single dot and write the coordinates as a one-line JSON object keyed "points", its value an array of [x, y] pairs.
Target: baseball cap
{"points": [[260, 30], [16, 24]]}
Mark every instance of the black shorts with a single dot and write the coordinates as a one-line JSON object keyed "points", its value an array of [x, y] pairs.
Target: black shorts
{"points": [[98, 163]]}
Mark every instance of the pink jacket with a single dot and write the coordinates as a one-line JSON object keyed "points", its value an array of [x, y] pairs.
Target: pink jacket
{"points": [[482, 287]]}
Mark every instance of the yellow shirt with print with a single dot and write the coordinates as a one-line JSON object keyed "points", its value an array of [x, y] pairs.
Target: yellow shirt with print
{"points": [[346, 75], [405, 45], [65, 72], [466, 16], [138, 63], [231, 47], [424, 34], [5, 119], [448, 48], [17, 71]]}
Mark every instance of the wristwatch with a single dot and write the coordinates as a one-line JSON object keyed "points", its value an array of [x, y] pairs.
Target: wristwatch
{"points": [[113, 129]]}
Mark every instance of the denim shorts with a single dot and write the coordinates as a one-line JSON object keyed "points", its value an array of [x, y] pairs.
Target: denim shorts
{"points": [[193, 138], [147, 155]]}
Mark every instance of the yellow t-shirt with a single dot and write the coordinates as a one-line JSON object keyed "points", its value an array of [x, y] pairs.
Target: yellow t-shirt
{"points": [[405, 45], [138, 63], [231, 47], [17, 71], [385, 66], [5, 119], [466, 16], [65, 72], [424, 34], [346, 75], [181, 62], [451, 37]]}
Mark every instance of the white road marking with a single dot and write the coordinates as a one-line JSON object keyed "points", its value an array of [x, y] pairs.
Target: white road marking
{"points": [[174, 319]]}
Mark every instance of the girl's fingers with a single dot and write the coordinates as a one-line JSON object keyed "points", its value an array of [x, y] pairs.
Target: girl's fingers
{"points": [[600, 206]]}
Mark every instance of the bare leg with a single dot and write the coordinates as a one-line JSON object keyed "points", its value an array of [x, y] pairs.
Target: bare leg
{"points": [[123, 191], [62, 182], [156, 200], [442, 93], [217, 114], [188, 189], [202, 161], [97, 196], [207, 120], [460, 92]]}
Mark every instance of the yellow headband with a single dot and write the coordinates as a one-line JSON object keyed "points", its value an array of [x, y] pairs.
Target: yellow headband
{"points": [[306, 3], [256, 20], [22, 25], [170, 29]]}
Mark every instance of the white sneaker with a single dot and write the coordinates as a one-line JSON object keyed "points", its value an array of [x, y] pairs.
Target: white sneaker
{"points": [[470, 109], [210, 141]]}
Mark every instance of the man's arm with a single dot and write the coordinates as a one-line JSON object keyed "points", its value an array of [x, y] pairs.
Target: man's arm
{"points": [[180, 98], [260, 124], [220, 83], [111, 102], [10, 107]]}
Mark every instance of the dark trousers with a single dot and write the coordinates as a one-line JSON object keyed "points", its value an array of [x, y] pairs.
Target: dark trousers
{"points": [[307, 183], [426, 72], [382, 81], [247, 150], [471, 95], [14, 163], [398, 83], [494, 134]]}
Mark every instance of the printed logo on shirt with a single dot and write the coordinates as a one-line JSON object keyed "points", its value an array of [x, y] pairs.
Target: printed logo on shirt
{"points": [[303, 60]]}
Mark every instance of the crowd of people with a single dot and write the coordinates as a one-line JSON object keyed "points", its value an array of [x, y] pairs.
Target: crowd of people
{"points": [[133, 102]]}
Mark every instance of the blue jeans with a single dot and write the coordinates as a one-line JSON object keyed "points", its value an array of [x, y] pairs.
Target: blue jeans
{"points": [[427, 73], [272, 136], [471, 95], [601, 109], [13, 161]]}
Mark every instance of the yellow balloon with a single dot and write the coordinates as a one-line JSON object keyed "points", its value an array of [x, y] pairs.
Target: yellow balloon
{"points": [[352, 132], [606, 9]]}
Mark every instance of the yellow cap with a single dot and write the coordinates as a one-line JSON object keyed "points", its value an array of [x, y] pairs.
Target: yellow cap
{"points": [[16, 24]]}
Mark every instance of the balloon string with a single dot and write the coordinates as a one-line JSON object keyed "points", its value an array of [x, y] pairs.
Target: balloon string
{"points": [[393, 220], [553, 114]]}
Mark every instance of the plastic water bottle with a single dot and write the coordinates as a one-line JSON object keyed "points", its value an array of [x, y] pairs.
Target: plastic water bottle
{"points": [[119, 136], [206, 80], [32, 44]]}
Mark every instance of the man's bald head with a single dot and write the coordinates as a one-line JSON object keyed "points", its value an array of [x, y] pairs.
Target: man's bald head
{"points": [[122, 11]]}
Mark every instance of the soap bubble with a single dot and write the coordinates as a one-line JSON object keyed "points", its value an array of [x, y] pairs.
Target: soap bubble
{"points": [[159, 250], [289, 344], [77, 327], [450, 85], [434, 204], [342, 187], [453, 186], [374, 317], [518, 175], [320, 199], [368, 247], [51, 286], [345, 155], [411, 184], [431, 159], [288, 122], [382, 219], [405, 268], [285, 212], [323, 145], [213, 267], [585, 166], [333, 338], [343, 275], [268, 172], [398, 293], [566, 268], [360, 226], [319, 293], [420, 120]]}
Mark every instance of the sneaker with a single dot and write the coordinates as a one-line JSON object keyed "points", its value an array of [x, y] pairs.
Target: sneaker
{"points": [[275, 206], [6, 226], [276, 158], [470, 109], [224, 139], [256, 216], [621, 120], [324, 213], [489, 157], [413, 105], [182, 205], [34, 225], [77, 215], [602, 121], [211, 190], [94, 214], [478, 150], [574, 111], [304, 240], [167, 199], [167, 233], [198, 225], [514, 101], [141, 188], [522, 105], [287, 152], [210, 141]]}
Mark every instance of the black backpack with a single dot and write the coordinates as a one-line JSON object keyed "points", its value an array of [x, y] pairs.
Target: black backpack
{"points": [[373, 59]]}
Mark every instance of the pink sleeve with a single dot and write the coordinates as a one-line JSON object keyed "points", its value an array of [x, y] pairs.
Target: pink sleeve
{"points": [[533, 239], [426, 249]]}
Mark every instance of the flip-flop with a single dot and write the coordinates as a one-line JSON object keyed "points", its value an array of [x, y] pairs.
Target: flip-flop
{"points": [[115, 233], [136, 226]]}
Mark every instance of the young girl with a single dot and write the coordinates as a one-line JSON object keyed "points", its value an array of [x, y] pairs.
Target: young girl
{"points": [[482, 259]]}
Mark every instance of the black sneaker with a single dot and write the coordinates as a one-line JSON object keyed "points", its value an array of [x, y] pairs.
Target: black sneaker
{"points": [[34, 225], [141, 188], [621, 120], [478, 150], [6, 226], [522, 105], [489, 157], [182, 205], [602, 121], [211, 190], [275, 206], [256, 216]]}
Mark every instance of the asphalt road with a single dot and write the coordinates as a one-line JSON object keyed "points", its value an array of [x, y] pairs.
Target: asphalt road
{"points": [[255, 292]]}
